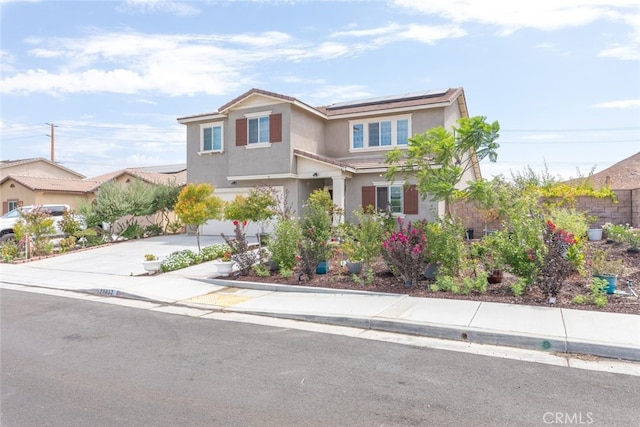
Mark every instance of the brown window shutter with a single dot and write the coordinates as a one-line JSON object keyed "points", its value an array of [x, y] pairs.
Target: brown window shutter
{"points": [[368, 197], [5, 207], [275, 128], [241, 132], [410, 200]]}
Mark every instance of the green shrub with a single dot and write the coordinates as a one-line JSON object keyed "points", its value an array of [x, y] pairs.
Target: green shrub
{"points": [[597, 294], [284, 243]]}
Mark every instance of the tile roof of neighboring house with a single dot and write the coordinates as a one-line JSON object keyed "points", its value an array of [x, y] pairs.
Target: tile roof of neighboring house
{"points": [[10, 163], [179, 178], [47, 183], [624, 175], [392, 102], [178, 167]]}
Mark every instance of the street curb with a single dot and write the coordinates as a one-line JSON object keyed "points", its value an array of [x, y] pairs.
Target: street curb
{"points": [[462, 334], [274, 287]]}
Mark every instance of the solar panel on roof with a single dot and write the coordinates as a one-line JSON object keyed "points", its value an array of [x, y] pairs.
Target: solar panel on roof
{"points": [[389, 98]]}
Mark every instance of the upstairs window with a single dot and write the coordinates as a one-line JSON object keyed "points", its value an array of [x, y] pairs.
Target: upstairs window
{"points": [[211, 137], [259, 129], [378, 134]]}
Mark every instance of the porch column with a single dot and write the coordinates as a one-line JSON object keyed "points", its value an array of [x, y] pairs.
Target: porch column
{"points": [[338, 196]]}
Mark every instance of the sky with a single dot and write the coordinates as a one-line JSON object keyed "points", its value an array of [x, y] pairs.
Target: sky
{"points": [[110, 78]]}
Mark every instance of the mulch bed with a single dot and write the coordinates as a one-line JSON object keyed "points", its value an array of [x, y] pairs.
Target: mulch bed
{"points": [[339, 278]]}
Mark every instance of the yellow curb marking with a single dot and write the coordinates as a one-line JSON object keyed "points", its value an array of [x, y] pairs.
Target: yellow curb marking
{"points": [[221, 300]]}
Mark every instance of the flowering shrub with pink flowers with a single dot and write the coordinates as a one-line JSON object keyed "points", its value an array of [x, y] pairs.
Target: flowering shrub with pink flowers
{"points": [[404, 251]]}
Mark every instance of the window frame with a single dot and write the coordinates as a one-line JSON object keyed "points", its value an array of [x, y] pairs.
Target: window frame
{"points": [[363, 143], [211, 125], [15, 202], [399, 188], [261, 133]]}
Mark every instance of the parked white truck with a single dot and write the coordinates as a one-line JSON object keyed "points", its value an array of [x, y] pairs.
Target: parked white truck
{"points": [[8, 220]]}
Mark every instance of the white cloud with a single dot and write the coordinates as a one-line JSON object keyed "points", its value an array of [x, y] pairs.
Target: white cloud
{"points": [[158, 6], [6, 62], [627, 103], [186, 64], [333, 94], [396, 32], [547, 15], [511, 16]]}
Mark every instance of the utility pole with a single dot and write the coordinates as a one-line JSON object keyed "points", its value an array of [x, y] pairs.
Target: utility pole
{"points": [[53, 140]]}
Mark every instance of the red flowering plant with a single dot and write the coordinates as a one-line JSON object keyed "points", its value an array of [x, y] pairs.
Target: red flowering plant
{"points": [[404, 251], [558, 261], [240, 251]]}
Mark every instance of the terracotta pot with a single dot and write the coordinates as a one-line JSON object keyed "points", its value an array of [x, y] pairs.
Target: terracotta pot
{"points": [[495, 277]]}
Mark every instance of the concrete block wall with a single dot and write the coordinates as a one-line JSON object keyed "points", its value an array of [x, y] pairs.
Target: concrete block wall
{"points": [[471, 218], [605, 210], [625, 211]]}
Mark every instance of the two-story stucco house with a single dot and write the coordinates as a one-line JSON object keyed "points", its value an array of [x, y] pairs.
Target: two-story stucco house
{"points": [[264, 137]]}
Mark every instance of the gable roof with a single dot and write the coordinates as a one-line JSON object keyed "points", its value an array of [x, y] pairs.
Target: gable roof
{"points": [[47, 183], [426, 99], [178, 178], [624, 175], [5, 164], [430, 98]]}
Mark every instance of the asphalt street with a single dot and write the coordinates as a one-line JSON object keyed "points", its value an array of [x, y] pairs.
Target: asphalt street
{"points": [[69, 362]]}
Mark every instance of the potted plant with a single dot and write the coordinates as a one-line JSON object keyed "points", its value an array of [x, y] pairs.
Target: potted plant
{"points": [[352, 249], [606, 269], [151, 264], [225, 264], [488, 252]]}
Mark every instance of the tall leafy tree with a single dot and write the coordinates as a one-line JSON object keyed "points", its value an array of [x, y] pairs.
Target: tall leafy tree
{"points": [[197, 204], [439, 159]]}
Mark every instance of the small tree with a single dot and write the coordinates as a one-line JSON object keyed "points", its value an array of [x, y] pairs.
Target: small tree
{"points": [[109, 205], [439, 159], [165, 197], [196, 205], [258, 206]]}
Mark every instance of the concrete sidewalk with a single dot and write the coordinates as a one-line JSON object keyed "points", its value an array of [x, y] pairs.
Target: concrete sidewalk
{"points": [[116, 271]]}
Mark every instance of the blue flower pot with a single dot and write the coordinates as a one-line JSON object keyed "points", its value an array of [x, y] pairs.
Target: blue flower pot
{"points": [[322, 267], [612, 281]]}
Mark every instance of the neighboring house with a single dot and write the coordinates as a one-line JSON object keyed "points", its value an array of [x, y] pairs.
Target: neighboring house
{"points": [[263, 137], [168, 175], [36, 181], [624, 175], [19, 190], [624, 179], [36, 167], [32, 187]]}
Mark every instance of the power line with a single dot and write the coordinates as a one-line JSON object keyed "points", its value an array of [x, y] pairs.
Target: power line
{"points": [[572, 130]]}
